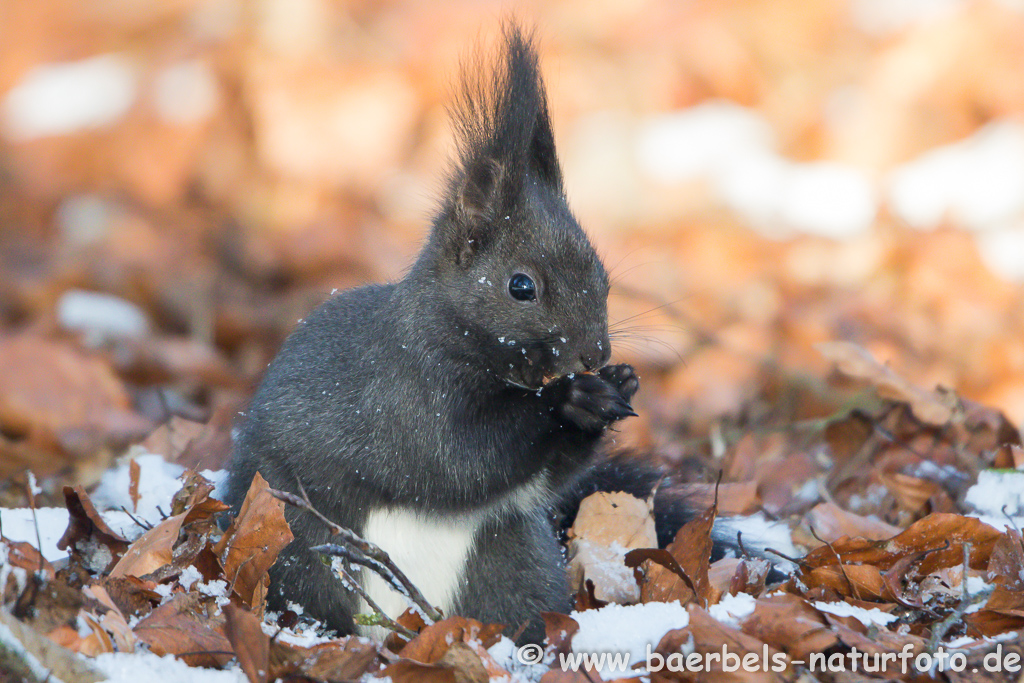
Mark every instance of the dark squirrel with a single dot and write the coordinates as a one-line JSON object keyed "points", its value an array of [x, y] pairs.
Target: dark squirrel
{"points": [[450, 417]]}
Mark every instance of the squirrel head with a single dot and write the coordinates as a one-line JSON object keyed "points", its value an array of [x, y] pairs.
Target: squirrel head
{"points": [[507, 264]]}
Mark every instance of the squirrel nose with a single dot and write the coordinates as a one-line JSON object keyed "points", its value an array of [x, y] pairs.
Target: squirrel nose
{"points": [[597, 357]]}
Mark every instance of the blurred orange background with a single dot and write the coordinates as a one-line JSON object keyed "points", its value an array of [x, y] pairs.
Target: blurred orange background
{"points": [[760, 176]]}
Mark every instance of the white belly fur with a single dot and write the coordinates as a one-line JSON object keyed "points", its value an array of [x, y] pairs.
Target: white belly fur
{"points": [[431, 549]]}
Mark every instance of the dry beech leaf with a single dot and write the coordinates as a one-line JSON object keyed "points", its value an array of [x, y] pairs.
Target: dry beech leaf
{"points": [[431, 644], [251, 544], [940, 535], [855, 361], [409, 671], [340, 660], [912, 493], [133, 483], [860, 581], [788, 622], [661, 578], [113, 621], [708, 635], [84, 523], [184, 627], [607, 525], [52, 386], [152, 550], [250, 644], [558, 631], [830, 523]]}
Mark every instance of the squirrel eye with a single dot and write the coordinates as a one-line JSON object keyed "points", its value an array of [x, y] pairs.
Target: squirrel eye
{"points": [[522, 287]]}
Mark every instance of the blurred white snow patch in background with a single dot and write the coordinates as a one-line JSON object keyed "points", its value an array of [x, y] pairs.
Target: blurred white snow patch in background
{"points": [[1002, 250], [886, 17], [56, 99], [978, 181], [100, 316], [703, 141], [186, 92], [733, 149]]}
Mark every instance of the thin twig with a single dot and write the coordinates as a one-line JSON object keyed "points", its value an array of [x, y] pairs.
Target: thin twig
{"points": [[383, 619], [362, 552]]}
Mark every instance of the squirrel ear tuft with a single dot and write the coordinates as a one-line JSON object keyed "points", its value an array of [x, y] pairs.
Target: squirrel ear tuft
{"points": [[475, 205]]}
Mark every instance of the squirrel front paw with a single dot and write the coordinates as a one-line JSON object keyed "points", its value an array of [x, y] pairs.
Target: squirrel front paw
{"points": [[592, 402], [622, 377]]}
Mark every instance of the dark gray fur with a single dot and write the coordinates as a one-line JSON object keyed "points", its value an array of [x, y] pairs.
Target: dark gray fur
{"points": [[442, 393]]}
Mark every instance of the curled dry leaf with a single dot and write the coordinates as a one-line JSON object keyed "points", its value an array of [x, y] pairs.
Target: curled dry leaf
{"points": [[432, 643], [830, 523], [152, 550], [85, 522], [940, 535], [251, 544], [113, 620], [340, 660], [705, 635]]}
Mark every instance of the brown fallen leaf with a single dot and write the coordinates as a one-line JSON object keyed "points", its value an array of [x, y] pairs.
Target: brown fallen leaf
{"points": [[941, 535], [705, 635], [85, 523], [251, 544], [113, 620], [830, 522], [431, 644], [340, 660], [558, 631], [661, 579], [606, 526], [789, 623], [250, 644], [152, 550], [186, 627], [52, 386], [854, 360]]}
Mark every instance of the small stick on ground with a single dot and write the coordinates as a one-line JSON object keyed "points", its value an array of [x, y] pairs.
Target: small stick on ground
{"points": [[360, 551]]}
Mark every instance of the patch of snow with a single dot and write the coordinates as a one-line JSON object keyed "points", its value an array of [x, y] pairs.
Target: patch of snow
{"points": [[886, 17], [57, 99], [734, 150], [146, 666], [868, 617], [1002, 250], [100, 316], [627, 628], [732, 609], [997, 495], [18, 525], [158, 482], [758, 533], [189, 575], [703, 141], [978, 181]]}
